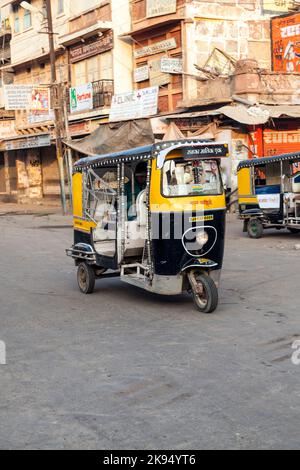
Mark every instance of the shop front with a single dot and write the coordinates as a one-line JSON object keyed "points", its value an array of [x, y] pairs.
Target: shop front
{"points": [[22, 168], [265, 141]]}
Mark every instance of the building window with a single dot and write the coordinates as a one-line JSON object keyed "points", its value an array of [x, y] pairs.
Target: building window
{"points": [[16, 11], [96, 68], [27, 19], [60, 7]]}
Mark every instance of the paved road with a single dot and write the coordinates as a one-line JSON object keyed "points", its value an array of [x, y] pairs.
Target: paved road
{"points": [[124, 369]]}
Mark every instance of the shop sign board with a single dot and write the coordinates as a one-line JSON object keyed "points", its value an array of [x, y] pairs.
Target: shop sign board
{"points": [[271, 142], [169, 65], [277, 6], [29, 142], [141, 74], [156, 48], [92, 47], [134, 105], [160, 7], [81, 98]]}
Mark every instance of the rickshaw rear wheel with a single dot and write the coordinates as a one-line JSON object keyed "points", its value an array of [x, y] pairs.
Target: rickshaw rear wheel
{"points": [[255, 228], [86, 278], [205, 293]]}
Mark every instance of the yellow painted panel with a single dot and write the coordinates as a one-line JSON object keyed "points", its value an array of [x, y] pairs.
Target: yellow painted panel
{"points": [[245, 189], [248, 200], [77, 195], [84, 225]]}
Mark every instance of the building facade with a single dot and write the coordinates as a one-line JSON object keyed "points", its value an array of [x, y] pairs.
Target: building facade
{"points": [[212, 62], [92, 63]]}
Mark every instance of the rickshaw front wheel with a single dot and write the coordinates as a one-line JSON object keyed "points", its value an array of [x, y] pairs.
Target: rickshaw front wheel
{"points": [[86, 278], [294, 231], [205, 293], [255, 228]]}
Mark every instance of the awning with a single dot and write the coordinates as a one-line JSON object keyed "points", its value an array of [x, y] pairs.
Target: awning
{"points": [[252, 116], [86, 33], [283, 110], [115, 137], [264, 161]]}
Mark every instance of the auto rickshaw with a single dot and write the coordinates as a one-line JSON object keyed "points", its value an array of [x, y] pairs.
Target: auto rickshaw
{"points": [[154, 217], [269, 194]]}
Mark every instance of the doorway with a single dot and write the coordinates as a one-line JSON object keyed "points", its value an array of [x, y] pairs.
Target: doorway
{"points": [[2, 174]]}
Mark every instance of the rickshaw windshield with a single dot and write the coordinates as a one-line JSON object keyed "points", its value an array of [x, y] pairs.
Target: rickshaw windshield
{"points": [[191, 178]]}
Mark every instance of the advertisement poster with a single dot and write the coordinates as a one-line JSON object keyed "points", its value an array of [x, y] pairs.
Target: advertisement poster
{"points": [[134, 105], [33, 98], [40, 100], [17, 97], [81, 98], [286, 43]]}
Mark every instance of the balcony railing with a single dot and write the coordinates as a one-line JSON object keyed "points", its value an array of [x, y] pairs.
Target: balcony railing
{"points": [[103, 91]]}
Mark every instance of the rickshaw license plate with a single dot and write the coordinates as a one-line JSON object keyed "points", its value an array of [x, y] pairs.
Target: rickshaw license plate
{"points": [[202, 218]]}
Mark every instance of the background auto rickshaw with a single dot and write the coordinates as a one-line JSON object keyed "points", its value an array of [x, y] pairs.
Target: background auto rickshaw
{"points": [[269, 194], [153, 216]]}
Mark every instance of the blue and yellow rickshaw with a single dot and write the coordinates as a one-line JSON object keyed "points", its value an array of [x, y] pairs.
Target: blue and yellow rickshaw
{"points": [[269, 194]]}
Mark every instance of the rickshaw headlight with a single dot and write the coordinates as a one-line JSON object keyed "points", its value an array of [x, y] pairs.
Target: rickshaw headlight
{"points": [[202, 238]]}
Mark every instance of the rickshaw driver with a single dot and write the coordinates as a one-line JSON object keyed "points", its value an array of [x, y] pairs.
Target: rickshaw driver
{"points": [[140, 183]]}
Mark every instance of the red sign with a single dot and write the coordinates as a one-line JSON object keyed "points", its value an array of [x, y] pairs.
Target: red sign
{"points": [[286, 43], [264, 142]]}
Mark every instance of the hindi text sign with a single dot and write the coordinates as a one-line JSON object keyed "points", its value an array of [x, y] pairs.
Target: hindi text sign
{"points": [[134, 105], [169, 65], [160, 7]]}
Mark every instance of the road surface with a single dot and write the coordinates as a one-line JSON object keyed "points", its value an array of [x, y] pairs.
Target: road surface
{"points": [[125, 369]]}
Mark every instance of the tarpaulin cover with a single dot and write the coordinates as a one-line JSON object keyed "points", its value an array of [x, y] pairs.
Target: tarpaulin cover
{"points": [[115, 137]]}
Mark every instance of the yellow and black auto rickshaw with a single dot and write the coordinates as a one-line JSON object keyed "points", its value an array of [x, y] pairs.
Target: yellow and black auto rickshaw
{"points": [[269, 194], [154, 217]]}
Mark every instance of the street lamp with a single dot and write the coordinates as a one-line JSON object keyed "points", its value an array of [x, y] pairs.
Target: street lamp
{"points": [[56, 96], [29, 7]]}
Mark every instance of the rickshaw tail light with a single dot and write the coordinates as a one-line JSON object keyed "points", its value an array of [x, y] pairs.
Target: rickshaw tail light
{"points": [[202, 238]]}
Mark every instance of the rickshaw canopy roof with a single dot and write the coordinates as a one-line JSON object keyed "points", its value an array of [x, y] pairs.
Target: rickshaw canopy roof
{"points": [[291, 157], [158, 150], [139, 153]]}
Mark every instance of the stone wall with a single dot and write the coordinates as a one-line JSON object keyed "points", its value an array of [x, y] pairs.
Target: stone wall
{"points": [[241, 31], [29, 174]]}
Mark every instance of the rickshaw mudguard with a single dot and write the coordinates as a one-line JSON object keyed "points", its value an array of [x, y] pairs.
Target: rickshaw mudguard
{"points": [[200, 264], [82, 251], [252, 213]]}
